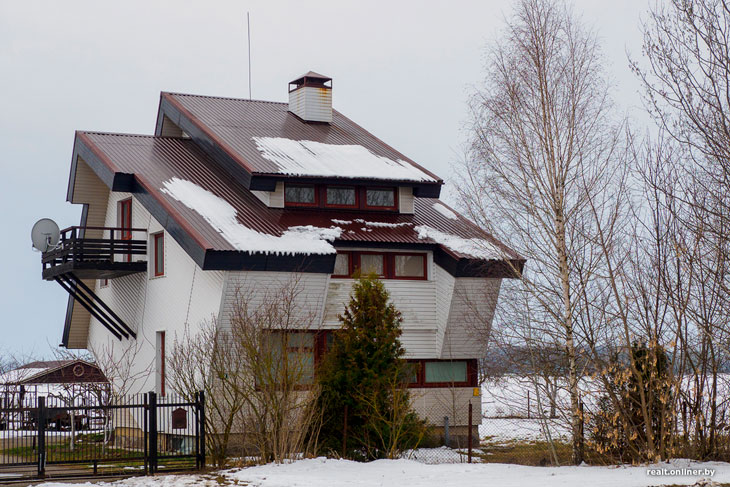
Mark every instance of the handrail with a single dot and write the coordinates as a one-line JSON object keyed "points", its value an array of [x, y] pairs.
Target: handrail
{"points": [[73, 232], [103, 228]]}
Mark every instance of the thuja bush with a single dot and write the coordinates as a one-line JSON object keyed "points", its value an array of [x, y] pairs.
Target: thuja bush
{"points": [[363, 381], [635, 418]]}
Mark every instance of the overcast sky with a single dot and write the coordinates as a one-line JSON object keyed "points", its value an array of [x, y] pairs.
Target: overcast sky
{"points": [[403, 70]]}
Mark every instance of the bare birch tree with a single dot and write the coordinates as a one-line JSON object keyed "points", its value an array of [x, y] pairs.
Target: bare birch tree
{"points": [[544, 145]]}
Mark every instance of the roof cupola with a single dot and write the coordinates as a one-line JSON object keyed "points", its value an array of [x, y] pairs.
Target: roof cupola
{"points": [[310, 97]]}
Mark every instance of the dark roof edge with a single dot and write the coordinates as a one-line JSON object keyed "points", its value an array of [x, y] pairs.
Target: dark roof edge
{"points": [[203, 136]]}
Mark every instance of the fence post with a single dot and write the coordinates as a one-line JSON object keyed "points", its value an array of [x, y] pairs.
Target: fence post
{"points": [[146, 436], [202, 428], [528, 404], [344, 435], [446, 431], [469, 433], [41, 437], [152, 411]]}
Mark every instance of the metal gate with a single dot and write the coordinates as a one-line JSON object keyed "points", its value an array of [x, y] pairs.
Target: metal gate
{"points": [[146, 433]]}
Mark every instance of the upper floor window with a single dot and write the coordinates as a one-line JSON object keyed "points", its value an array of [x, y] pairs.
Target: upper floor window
{"points": [[124, 218], [335, 196], [380, 198], [341, 196], [300, 195], [386, 265], [158, 243]]}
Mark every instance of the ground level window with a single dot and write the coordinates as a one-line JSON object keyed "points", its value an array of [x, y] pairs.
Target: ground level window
{"points": [[293, 356], [445, 372]]}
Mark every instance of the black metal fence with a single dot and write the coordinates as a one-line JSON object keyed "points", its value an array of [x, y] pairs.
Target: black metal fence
{"points": [[55, 436]]}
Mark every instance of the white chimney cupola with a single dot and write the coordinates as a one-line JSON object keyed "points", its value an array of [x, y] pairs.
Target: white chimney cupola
{"points": [[310, 97]]}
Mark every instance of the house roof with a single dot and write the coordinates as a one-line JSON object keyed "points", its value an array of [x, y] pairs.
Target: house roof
{"points": [[214, 216], [263, 140], [53, 371], [312, 74]]}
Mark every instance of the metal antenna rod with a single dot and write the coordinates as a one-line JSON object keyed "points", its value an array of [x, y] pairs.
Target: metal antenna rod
{"points": [[248, 24]]}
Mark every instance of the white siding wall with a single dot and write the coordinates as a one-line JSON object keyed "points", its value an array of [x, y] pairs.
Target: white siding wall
{"points": [[470, 317], [90, 190], [433, 404], [256, 287], [272, 199], [184, 295], [405, 200]]}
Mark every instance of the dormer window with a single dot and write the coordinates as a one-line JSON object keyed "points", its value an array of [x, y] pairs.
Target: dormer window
{"points": [[380, 198], [341, 196], [300, 195], [337, 196]]}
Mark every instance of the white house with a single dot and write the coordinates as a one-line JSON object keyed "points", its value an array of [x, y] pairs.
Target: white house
{"points": [[233, 190]]}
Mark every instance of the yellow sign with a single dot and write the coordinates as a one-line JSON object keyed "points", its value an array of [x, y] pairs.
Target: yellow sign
{"points": [[476, 392]]}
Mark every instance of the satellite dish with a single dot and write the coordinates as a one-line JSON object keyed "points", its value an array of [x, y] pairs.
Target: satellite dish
{"points": [[45, 234]]}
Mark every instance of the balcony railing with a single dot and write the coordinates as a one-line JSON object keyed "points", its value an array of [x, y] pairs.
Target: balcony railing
{"points": [[119, 251]]}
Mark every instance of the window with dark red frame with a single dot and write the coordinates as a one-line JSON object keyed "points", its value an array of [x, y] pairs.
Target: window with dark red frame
{"points": [[300, 195], [340, 196], [336, 196], [444, 373], [158, 241], [387, 265], [422, 373], [380, 198], [124, 221]]}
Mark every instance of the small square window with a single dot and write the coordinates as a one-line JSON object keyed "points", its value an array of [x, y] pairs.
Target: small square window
{"points": [[372, 263], [300, 195], [383, 198], [339, 196], [413, 266], [342, 265]]}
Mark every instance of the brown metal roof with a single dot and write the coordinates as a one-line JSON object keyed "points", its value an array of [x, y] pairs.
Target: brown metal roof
{"points": [[312, 74], [154, 160], [232, 122]]}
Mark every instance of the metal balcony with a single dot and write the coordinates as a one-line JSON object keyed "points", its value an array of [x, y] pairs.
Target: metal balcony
{"points": [[115, 253], [87, 253]]}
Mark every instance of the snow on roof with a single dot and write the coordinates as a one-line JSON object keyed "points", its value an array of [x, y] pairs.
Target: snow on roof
{"points": [[223, 218], [445, 211], [381, 224], [478, 248], [310, 158], [20, 374]]}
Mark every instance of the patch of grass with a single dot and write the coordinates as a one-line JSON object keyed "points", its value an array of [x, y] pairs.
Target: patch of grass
{"points": [[61, 451], [523, 453]]}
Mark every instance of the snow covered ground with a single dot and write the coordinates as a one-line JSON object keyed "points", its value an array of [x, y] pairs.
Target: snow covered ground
{"points": [[328, 472]]}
